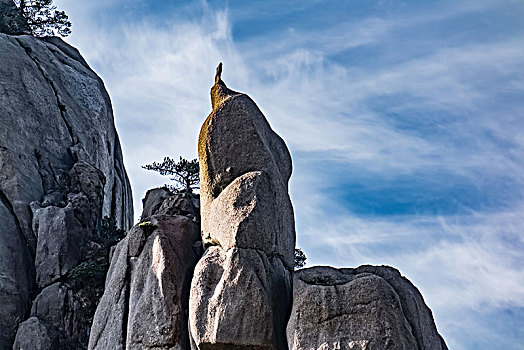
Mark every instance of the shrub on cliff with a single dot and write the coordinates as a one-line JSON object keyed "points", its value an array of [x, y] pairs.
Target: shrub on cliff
{"points": [[300, 258], [43, 18]]}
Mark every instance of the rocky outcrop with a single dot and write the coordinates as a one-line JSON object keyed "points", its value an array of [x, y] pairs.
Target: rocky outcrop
{"points": [[71, 260], [61, 172], [145, 302], [36, 335], [367, 308], [241, 289]]}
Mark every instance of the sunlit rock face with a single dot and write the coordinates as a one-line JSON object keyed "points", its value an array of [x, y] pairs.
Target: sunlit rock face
{"points": [[61, 171], [241, 289], [145, 302], [367, 308]]}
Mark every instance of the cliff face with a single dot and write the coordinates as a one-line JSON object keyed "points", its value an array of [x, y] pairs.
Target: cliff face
{"points": [[61, 172]]}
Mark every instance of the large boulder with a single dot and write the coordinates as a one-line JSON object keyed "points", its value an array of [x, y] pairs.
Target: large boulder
{"points": [[145, 303], [241, 289], [35, 335], [367, 308], [60, 151]]}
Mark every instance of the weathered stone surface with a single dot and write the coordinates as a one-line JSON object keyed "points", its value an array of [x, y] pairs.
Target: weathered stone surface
{"points": [[67, 309], [163, 201], [56, 126], [49, 305], [59, 245], [152, 201], [145, 302], [65, 235], [367, 308], [241, 289], [11, 19], [35, 335], [16, 269]]}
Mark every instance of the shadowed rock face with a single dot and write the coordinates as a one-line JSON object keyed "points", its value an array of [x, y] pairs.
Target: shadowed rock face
{"points": [[145, 302], [241, 289], [367, 308], [61, 171]]}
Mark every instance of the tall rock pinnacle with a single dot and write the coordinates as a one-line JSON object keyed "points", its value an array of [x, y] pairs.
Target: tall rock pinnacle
{"points": [[241, 290]]}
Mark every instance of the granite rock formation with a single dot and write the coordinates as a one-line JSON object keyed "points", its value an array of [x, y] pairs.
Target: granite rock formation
{"points": [[367, 308], [62, 175], [241, 289], [61, 172], [145, 302]]}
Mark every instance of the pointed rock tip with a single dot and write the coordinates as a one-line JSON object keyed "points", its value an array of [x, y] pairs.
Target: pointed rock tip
{"points": [[218, 75], [219, 91]]}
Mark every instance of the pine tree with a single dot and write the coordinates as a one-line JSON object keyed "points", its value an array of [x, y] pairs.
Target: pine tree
{"points": [[43, 18], [300, 258], [185, 172]]}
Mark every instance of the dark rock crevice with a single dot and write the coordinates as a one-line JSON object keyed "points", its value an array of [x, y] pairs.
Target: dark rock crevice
{"points": [[127, 297], [9, 206], [61, 107]]}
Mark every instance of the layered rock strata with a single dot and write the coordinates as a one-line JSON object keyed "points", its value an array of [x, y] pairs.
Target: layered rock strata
{"points": [[367, 308], [241, 290], [60, 151], [145, 302]]}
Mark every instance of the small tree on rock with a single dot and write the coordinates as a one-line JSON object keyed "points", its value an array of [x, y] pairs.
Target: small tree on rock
{"points": [[300, 258], [185, 173], [43, 18]]}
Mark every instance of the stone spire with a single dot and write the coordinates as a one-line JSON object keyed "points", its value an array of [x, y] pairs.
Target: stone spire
{"points": [[219, 91], [241, 289]]}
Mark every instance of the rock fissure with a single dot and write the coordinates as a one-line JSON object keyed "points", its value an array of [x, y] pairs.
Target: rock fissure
{"points": [[9, 206], [127, 294], [40, 174], [60, 105], [268, 255]]}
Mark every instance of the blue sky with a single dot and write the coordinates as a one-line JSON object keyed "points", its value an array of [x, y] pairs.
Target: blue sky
{"points": [[404, 120]]}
